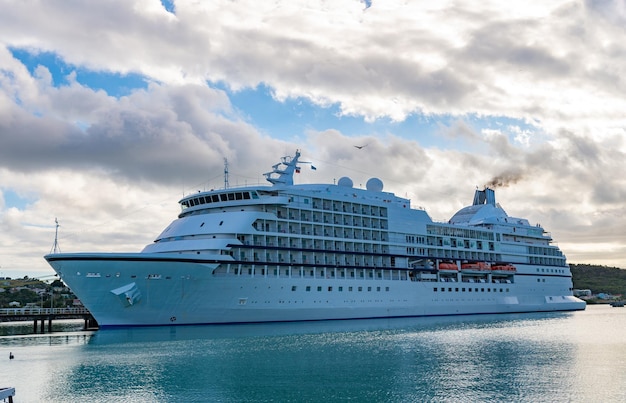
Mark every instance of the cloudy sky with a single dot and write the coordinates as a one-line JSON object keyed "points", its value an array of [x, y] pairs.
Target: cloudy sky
{"points": [[110, 111]]}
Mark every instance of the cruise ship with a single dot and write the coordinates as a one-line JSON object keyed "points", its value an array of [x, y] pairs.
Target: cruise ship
{"points": [[301, 252]]}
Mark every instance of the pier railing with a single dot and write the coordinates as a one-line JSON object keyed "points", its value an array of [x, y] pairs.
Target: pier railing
{"points": [[42, 311]]}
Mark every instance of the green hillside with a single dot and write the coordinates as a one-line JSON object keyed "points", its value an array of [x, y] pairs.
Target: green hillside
{"points": [[610, 280]]}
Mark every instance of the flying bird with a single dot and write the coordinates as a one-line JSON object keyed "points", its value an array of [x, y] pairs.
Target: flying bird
{"points": [[361, 147]]}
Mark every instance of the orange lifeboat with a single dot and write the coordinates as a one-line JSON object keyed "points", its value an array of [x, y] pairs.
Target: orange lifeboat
{"points": [[475, 266], [448, 266], [504, 267]]}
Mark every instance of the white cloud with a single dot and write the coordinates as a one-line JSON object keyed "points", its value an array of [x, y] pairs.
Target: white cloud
{"points": [[91, 158]]}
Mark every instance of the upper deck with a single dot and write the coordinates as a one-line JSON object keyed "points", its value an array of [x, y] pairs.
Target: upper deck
{"points": [[325, 218]]}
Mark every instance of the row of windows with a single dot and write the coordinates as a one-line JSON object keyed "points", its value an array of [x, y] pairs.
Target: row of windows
{"points": [[415, 239], [562, 271], [196, 201], [340, 288], [463, 289], [459, 232], [348, 207]]}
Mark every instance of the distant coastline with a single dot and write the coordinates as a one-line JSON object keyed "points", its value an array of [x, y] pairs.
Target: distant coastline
{"points": [[607, 284]]}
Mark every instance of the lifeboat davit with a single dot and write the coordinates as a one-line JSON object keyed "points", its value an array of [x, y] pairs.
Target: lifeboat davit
{"points": [[504, 268], [448, 266], [475, 266]]}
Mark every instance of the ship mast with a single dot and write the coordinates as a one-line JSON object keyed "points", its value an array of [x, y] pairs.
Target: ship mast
{"points": [[226, 184], [55, 246], [284, 175]]}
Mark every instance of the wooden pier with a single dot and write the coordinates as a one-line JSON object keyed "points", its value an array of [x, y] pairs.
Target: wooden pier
{"points": [[39, 316]]}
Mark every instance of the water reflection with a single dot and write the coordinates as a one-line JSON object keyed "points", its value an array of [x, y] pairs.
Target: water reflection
{"points": [[146, 334], [523, 357], [438, 358]]}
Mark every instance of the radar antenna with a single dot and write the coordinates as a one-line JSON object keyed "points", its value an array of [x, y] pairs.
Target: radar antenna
{"points": [[55, 247]]}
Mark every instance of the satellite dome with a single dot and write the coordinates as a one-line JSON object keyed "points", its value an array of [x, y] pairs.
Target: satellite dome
{"points": [[345, 181], [374, 184]]}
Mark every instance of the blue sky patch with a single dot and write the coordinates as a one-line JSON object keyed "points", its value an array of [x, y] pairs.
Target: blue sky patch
{"points": [[12, 199], [114, 84], [169, 5], [285, 120]]}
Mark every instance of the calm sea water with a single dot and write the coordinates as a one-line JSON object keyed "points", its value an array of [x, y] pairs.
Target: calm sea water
{"points": [[556, 357]]}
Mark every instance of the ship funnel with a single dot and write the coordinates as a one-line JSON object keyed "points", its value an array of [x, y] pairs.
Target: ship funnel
{"points": [[487, 196]]}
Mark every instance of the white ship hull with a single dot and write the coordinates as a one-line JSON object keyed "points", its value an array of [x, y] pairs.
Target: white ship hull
{"points": [[168, 291]]}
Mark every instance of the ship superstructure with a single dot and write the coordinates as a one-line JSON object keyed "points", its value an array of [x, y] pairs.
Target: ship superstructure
{"points": [[290, 252]]}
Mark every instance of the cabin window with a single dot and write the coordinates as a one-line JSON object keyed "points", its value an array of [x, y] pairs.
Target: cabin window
{"points": [[215, 198], [308, 288], [238, 196], [246, 195], [319, 288], [360, 289], [223, 197], [231, 196], [293, 288]]}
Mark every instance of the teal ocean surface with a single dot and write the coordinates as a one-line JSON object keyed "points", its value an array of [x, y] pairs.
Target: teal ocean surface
{"points": [[546, 357]]}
